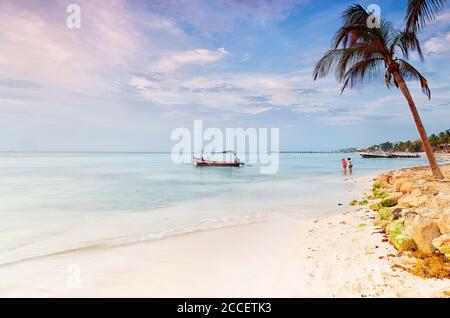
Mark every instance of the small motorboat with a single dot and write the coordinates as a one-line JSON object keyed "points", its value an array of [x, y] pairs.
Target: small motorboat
{"points": [[388, 155], [234, 162], [375, 155]]}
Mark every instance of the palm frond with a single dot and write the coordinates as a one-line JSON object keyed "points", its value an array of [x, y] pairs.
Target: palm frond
{"points": [[362, 71], [407, 42], [409, 72], [350, 35], [420, 12], [359, 52], [356, 54], [340, 59], [355, 15], [328, 61]]}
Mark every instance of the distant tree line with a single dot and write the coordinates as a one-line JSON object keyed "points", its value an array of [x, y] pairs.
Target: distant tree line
{"points": [[439, 142]]}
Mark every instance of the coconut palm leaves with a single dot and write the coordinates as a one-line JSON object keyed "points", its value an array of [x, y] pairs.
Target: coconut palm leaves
{"points": [[359, 53], [421, 12]]}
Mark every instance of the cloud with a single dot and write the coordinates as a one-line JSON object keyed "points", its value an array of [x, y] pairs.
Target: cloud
{"points": [[259, 98], [142, 83], [306, 91], [238, 93], [36, 46], [254, 110], [223, 15], [437, 45], [192, 57]]}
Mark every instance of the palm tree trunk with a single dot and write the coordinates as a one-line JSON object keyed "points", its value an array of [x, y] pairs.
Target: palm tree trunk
{"points": [[423, 135]]}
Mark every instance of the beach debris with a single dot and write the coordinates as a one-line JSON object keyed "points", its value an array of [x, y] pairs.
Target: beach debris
{"points": [[426, 265]]}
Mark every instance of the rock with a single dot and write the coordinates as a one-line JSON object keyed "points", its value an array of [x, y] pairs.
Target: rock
{"points": [[399, 237], [423, 231], [385, 180], [392, 199], [385, 214], [376, 185], [364, 202], [375, 206], [444, 222], [398, 184], [379, 193], [442, 244], [411, 201], [430, 212], [397, 213], [407, 187]]}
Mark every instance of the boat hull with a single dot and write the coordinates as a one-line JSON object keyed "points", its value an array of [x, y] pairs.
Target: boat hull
{"points": [[389, 156], [206, 163], [370, 155]]}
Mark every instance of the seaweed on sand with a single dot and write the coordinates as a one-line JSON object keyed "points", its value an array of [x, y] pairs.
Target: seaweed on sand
{"points": [[428, 265]]}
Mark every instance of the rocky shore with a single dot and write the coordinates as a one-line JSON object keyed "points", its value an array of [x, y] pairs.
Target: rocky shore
{"points": [[412, 210]]}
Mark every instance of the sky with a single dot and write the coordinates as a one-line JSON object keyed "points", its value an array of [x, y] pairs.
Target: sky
{"points": [[136, 70]]}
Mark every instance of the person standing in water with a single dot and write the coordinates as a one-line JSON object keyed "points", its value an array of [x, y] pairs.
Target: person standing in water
{"points": [[350, 164], [344, 165]]}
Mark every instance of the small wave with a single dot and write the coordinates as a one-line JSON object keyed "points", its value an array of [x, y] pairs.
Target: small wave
{"points": [[126, 240]]}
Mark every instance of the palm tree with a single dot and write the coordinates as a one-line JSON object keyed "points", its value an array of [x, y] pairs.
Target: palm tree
{"points": [[420, 12], [359, 53], [434, 140]]}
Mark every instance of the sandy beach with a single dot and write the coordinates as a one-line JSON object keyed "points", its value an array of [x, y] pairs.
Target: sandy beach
{"points": [[341, 254]]}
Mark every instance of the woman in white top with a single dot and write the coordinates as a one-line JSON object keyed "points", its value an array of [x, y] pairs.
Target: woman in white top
{"points": [[350, 164]]}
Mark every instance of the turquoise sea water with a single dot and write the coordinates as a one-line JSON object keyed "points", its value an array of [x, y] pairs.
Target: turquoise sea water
{"points": [[58, 202]]}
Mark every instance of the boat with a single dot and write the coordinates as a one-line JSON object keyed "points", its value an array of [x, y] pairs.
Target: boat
{"points": [[405, 155], [375, 155], [202, 162], [388, 155]]}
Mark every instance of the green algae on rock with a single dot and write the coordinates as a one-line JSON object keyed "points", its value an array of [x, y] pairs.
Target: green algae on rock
{"points": [[375, 206], [398, 236], [386, 214]]}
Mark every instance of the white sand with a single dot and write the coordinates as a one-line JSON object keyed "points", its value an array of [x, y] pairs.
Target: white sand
{"points": [[331, 256]]}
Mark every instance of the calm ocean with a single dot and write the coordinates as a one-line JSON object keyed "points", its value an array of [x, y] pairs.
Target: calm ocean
{"points": [[58, 202]]}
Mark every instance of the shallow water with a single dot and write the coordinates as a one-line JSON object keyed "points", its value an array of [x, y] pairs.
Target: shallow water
{"points": [[58, 202]]}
